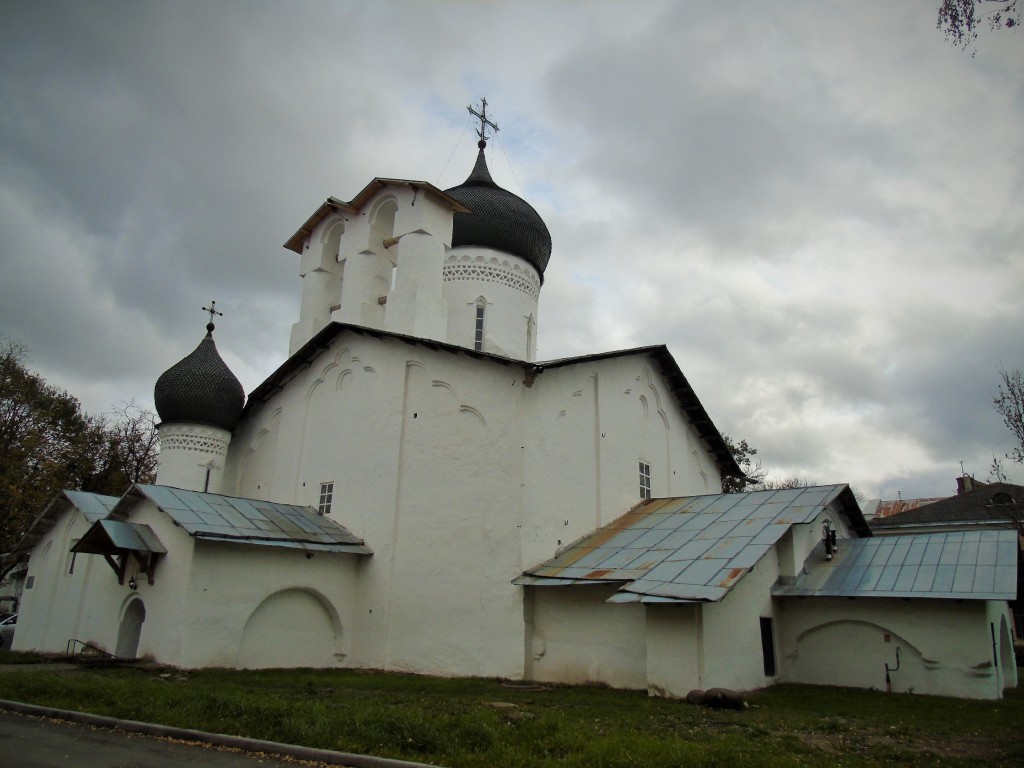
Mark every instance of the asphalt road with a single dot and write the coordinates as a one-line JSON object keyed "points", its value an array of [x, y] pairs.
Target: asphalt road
{"points": [[37, 742]]}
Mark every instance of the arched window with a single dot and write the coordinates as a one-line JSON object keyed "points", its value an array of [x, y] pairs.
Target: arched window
{"points": [[1002, 498]]}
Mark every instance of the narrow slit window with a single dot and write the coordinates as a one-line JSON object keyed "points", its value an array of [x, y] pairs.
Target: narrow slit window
{"points": [[478, 335], [326, 498], [645, 480], [768, 645]]}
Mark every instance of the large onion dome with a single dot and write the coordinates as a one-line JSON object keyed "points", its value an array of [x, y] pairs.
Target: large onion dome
{"points": [[200, 389], [499, 219]]}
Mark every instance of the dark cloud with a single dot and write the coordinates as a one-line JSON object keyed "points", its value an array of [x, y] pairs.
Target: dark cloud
{"points": [[818, 207]]}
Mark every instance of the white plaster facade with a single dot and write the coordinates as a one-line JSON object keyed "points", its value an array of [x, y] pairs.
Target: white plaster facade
{"points": [[411, 411], [386, 261], [210, 603], [464, 470], [948, 647]]}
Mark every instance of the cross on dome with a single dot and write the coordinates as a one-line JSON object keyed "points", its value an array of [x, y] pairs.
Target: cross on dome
{"points": [[484, 121], [212, 309]]}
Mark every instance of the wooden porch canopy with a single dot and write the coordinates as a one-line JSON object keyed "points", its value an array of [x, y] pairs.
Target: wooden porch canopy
{"points": [[120, 540]]}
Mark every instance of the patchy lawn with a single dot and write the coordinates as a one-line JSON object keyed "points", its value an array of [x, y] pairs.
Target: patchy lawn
{"points": [[475, 723]]}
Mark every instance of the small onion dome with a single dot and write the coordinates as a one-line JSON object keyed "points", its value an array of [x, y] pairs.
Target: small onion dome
{"points": [[200, 389], [499, 219]]}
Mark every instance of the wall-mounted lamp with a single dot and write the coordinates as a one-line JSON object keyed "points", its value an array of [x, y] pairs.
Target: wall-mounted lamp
{"points": [[132, 583]]}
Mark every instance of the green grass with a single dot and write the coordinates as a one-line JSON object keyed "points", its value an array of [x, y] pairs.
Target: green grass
{"points": [[471, 723]]}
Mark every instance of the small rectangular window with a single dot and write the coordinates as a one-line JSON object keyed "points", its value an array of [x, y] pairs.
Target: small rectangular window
{"points": [[326, 497], [768, 646], [645, 480], [478, 336]]}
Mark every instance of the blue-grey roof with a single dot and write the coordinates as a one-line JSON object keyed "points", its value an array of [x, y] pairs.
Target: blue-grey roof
{"points": [[117, 534], [965, 565], [691, 548], [92, 506], [214, 517]]}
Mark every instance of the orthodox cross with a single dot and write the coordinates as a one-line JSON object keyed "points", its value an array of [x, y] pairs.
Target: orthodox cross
{"points": [[484, 121], [212, 309]]}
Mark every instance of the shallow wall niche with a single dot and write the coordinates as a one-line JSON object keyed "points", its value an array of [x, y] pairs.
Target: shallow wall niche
{"points": [[855, 653], [291, 628]]}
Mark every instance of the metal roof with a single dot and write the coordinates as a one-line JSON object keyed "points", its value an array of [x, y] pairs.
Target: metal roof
{"points": [[965, 565], [92, 506], [1000, 503], [691, 548], [214, 517], [117, 534]]}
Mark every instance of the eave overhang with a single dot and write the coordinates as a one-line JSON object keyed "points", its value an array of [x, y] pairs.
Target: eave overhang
{"points": [[334, 206], [118, 541]]}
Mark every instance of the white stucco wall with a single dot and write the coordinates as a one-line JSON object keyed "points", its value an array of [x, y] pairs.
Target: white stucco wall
{"points": [[586, 428], [945, 646], [509, 288], [211, 604], [390, 265], [459, 473], [575, 637], [731, 632], [192, 456], [254, 606], [52, 609], [675, 650]]}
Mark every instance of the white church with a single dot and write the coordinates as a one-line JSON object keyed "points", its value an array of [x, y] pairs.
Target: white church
{"points": [[412, 490]]}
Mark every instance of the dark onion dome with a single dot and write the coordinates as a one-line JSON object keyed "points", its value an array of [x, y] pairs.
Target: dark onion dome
{"points": [[200, 389], [499, 219]]}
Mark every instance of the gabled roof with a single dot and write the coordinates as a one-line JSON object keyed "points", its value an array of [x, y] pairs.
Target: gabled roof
{"points": [[997, 503], [690, 548], [686, 398], [230, 519], [333, 205], [963, 565], [92, 506]]}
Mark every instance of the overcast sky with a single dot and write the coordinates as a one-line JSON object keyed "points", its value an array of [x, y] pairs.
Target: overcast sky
{"points": [[818, 206]]}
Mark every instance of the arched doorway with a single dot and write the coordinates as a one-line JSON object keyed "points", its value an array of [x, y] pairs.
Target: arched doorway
{"points": [[130, 630]]}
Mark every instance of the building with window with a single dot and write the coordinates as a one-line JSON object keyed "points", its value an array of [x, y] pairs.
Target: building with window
{"points": [[412, 490]]}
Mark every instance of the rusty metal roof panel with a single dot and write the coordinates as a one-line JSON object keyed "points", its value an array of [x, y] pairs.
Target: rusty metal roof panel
{"points": [[688, 548], [947, 565], [691, 550], [749, 556]]}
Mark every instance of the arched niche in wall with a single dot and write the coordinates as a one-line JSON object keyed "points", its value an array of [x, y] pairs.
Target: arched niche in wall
{"points": [[294, 627]]}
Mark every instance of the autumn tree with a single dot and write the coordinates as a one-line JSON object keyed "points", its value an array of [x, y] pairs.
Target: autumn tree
{"points": [[48, 444], [960, 20], [753, 472], [1009, 401]]}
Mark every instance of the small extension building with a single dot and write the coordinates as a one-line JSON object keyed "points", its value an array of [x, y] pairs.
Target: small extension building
{"points": [[411, 490]]}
